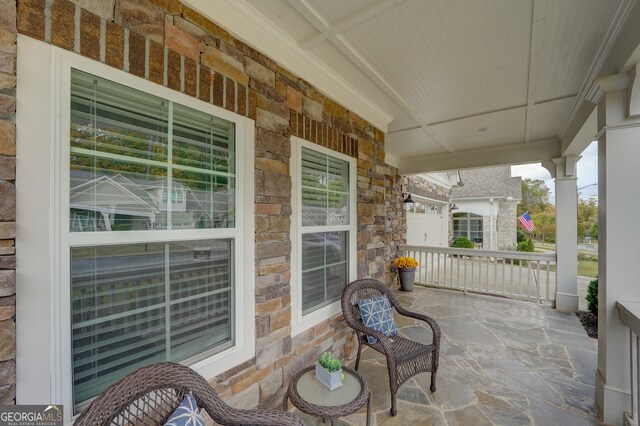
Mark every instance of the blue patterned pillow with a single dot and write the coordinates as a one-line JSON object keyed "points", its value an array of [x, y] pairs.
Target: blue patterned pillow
{"points": [[376, 313], [187, 413]]}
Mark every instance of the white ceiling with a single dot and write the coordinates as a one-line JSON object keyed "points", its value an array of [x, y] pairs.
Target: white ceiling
{"points": [[438, 71]]}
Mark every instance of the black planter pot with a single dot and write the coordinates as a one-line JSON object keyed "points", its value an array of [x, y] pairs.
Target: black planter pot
{"points": [[407, 278]]}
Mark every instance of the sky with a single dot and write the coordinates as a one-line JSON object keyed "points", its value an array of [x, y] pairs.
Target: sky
{"points": [[587, 173]]}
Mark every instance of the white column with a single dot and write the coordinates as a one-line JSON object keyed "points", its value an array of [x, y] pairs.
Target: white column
{"points": [[566, 233], [619, 234]]}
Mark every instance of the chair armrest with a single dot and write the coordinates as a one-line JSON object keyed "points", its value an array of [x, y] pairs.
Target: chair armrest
{"points": [[228, 415], [435, 328]]}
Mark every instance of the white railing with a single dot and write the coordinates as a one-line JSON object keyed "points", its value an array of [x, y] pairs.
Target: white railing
{"points": [[513, 274], [630, 316]]}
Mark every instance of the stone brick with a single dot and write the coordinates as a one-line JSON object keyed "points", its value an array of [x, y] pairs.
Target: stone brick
{"points": [[268, 307], [276, 185], [30, 18], [204, 23], [268, 355], [242, 99], [230, 95], [274, 209], [173, 7], [137, 53], [280, 319], [8, 205], [7, 81], [7, 63], [156, 62], [259, 72], [225, 64], [205, 83], [7, 340], [7, 247], [173, 70], [271, 384], [273, 122], [194, 30], [114, 52], [272, 166], [142, 17], [7, 42], [7, 168], [262, 326], [274, 269], [247, 398], [102, 8], [7, 311], [8, 15], [7, 372], [218, 89], [271, 142], [190, 77], [7, 283], [7, 394], [273, 223], [7, 138], [181, 42], [273, 106], [273, 249], [7, 230], [90, 35], [294, 99], [63, 24], [7, 262], [336, 109]]}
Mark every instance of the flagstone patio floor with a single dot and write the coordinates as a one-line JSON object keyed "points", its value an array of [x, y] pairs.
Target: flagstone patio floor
{"points": [[502, 362]]}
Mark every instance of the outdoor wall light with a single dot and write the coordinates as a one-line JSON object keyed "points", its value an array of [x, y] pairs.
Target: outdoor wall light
{"points": [[454, 207], [407, 198]]}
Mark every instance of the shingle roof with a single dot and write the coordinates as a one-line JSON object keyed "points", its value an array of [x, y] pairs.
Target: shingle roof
{"points": [[488, 182]]}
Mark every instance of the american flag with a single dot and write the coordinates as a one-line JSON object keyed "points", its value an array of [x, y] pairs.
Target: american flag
{"points": [[526, 221]]}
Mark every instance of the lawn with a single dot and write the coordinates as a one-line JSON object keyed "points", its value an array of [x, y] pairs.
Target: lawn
{"points": [[587, 268]]}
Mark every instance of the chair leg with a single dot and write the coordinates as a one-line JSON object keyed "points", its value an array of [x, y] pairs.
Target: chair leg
{"points": [[358, 356], [394, 409], [433, 382]]}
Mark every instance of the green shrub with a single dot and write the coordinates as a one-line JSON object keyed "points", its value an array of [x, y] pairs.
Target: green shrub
{"points": [[329, 363], [526, 245], [462, 242], [520, 236], [592, 296]]}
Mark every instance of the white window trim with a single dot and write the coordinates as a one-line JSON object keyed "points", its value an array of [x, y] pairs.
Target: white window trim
{"points": [[300, 323], [44, 367]]}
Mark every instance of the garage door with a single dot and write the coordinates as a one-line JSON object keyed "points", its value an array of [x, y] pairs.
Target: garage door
{"points": [[426, 229]]}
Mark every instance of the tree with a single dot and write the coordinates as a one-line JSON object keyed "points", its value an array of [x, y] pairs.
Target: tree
{"points": [[545, 223], [587, 217], [535, 196], [594, 231]]}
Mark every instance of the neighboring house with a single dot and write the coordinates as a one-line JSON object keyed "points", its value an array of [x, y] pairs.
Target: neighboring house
{"points": [[428, 216], [486, 207]]}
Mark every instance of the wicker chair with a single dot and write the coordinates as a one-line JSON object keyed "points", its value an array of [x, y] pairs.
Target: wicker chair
{"points": [[149, 395], [405, 357]]}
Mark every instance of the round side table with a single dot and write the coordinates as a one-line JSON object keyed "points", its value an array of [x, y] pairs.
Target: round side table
{"points": [[312, 397]]}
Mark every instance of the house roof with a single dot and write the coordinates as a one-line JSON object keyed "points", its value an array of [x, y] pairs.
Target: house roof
{"points": [[488, 182]]}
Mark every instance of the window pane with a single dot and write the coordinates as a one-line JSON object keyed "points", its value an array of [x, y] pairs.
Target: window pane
{"points": [[314, 207], [128, 173], [136, 304], [324, 268]]}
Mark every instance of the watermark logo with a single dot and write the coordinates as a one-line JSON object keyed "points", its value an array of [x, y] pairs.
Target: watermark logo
{"points": [[31, 415]]}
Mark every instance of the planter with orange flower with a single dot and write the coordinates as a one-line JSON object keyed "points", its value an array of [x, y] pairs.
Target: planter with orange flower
{"points": [[406, 271]]}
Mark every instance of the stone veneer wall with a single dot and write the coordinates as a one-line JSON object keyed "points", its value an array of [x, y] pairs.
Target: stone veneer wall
{"points": [[507, 225], [421, 186], [7, 201], [168, 43]]}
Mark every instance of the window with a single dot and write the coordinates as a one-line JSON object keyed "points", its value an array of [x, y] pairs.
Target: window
{"points": [[170, 298], [325, 229], [103, 246], [468, 225]]}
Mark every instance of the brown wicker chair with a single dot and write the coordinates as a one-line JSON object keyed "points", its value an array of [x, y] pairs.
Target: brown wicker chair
{"points": [[150, 394], [405, 357]]}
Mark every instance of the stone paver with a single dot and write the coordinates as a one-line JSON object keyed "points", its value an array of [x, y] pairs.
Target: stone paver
{"points": [[502, 362]]}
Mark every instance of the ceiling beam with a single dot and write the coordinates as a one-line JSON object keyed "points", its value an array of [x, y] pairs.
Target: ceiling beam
{"points": [[538, 14], [517, 153]]}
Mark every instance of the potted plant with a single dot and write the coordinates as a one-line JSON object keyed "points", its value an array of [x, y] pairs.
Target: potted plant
{"points": [[406, 272], [329, 371]]}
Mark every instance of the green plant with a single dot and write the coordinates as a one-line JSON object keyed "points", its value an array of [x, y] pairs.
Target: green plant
{"points": [[462, 242], [329, 363], [526, 245], [520, 236], [592, 296]]}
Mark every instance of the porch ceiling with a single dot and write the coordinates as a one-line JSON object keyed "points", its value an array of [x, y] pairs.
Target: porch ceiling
{"points": [[445, 78]]}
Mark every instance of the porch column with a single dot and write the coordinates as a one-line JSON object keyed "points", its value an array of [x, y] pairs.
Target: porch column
{"points": [[566, 233], [619, 234]]}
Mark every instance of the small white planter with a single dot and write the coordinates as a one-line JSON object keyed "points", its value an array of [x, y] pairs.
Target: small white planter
{"points": [[330, 380]]}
